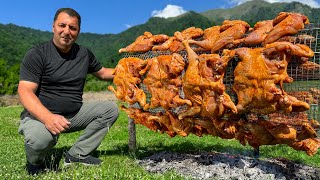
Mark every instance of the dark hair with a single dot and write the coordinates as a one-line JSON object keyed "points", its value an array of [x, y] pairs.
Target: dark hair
{"points": [[71, 12]]}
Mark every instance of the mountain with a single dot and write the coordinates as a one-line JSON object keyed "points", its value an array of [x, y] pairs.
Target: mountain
{"points": [[16, 40], [258, 10], [154, 25]]}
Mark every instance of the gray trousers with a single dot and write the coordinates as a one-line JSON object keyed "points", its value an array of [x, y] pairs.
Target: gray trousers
{"points": [[95, 118]]}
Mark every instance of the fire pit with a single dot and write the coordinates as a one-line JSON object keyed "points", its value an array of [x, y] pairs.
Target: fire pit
{"points": [[211, 165]]}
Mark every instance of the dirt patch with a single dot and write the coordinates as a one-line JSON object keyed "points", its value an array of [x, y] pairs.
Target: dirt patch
{"points": [[99, 96], [9, 100], [205, 165], [13, 100]]}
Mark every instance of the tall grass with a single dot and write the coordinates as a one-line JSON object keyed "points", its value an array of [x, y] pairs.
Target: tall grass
{"points": [[118, 161]]}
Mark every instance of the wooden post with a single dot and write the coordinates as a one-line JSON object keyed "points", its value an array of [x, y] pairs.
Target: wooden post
{"points": [[256, 152], [132, 134]]}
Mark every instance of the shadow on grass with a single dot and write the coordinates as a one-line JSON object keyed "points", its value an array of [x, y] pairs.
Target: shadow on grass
{"points": [[181, 147], [189, 147], [57, 154]]}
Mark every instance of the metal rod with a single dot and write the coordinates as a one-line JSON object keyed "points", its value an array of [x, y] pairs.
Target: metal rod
{"points": [[132, 134]]}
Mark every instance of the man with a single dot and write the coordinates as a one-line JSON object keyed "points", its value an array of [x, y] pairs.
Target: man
{"points": [[52, 77]]}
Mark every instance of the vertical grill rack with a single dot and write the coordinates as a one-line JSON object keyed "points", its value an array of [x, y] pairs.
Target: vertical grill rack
{"points": [[306, 85]]}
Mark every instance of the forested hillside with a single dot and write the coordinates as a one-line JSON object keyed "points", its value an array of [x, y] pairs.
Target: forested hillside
{"points": [[16, 40], [257, 10]]}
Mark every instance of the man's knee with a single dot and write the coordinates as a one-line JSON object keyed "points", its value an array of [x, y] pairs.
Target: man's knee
{"points": [[111, 112], [40, 141], [115, 110], [36, 136]]}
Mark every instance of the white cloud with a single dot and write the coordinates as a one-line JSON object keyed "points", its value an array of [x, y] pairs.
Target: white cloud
{"points": [[311, 3], [169, 11], [128, 26]]}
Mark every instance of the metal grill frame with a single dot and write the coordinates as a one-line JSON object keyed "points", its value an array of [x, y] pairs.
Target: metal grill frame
{"points": [[303, 79]]}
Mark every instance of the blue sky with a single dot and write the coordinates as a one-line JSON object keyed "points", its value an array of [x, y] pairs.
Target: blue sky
{"points": [[109, 16]]}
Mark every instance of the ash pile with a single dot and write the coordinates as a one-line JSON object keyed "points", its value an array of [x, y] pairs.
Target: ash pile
{"points": [[212, 165]]}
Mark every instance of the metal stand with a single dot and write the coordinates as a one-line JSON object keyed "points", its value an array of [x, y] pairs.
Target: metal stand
{"points": [[256, 152], [132, 134]]}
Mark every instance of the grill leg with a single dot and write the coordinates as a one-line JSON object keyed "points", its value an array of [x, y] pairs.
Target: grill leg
{"points": [[256, 152], [132, 134]]}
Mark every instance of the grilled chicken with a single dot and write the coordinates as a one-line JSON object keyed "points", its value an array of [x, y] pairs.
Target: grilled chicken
{"points": [[164, 80], [264, 115], [229, 31], [144, 42], [203, 84], [257, 34], [174, 43], [310, 146], [258, 73], [141, 117], [210, 36], [126, 78], [286, 24]]}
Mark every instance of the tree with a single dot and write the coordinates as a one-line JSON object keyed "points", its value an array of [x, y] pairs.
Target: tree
{"points": [[9, 78]]}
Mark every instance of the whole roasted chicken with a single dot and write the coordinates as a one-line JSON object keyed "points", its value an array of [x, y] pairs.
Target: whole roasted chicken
{"points": [[141, 117], [260, 71], [174, 43], [257, 35], [126, 78], [286, 24], [210, 36], [267, 132], [163, 81], [179, 127], [144, 42], [230, 30], [203, 84]]}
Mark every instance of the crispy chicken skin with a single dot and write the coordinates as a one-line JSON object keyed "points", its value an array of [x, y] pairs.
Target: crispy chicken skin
{"points": [[258, 73], [192, 95], [144, 42], [310, 146], [163, 81], [230, 30], [189, 33], [210, 36], [126, 78], [174, 43], [286, 24], [257, 35], [141, 117], [203, 84]]}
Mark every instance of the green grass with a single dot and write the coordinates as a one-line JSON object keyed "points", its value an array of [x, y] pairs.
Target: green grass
{"points": [[118, 161]]}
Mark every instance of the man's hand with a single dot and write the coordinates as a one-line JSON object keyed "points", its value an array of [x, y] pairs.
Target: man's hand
{"points": [[56, 124]]}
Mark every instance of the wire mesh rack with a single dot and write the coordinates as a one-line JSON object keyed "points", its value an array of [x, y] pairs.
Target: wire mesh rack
{"points": [[306, 85]]}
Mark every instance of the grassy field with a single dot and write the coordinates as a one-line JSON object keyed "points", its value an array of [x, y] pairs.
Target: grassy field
{"points": [[118, 161]]}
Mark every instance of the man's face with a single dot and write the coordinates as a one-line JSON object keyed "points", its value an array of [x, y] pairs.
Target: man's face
{"points": [[65, 31]]}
